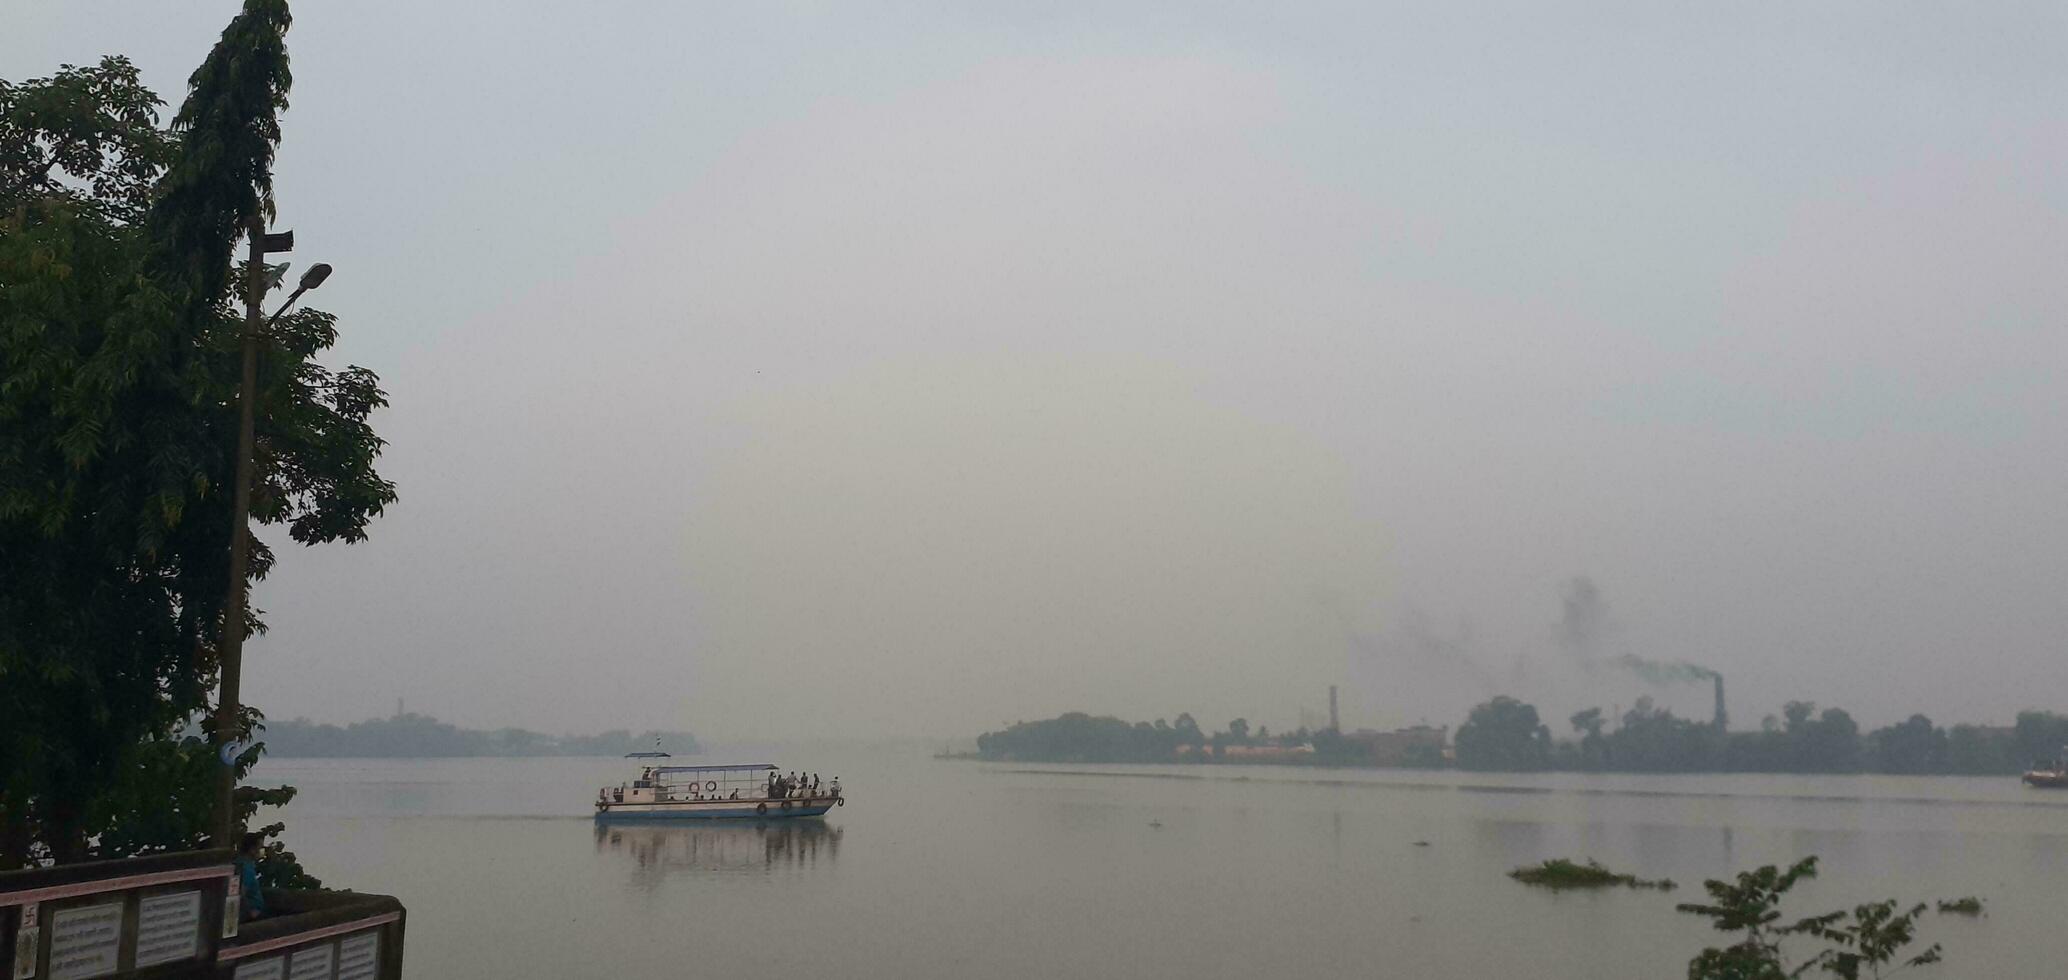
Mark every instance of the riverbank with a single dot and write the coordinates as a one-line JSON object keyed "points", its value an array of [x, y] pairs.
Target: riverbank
{"points": [[1506, 735]]}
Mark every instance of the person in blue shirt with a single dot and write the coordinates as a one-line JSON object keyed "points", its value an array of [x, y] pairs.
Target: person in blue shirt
{"points": [[248, 848]]}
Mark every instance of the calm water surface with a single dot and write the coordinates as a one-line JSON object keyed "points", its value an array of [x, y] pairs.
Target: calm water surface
{"points": [[958, 869]]}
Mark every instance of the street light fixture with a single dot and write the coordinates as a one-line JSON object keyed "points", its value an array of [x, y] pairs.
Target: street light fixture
{"points": [[230, 661], [310, 280]]}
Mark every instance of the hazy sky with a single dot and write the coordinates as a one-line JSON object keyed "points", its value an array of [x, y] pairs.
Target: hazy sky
{"points": [[828, 369]]}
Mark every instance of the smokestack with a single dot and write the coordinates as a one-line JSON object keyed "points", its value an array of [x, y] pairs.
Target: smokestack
{"points": [[1722, 717], [1335, 724]]}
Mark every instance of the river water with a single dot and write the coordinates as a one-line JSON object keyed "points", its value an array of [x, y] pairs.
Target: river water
{"points": [[962, 869]]}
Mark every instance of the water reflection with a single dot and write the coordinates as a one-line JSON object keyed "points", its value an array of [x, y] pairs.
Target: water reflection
{"points": [[661, 849]]}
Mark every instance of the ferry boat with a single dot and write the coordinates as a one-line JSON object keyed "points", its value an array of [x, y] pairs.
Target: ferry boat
{"points": [[714, 792]]}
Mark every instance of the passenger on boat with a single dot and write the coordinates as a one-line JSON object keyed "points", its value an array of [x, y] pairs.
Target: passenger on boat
{"points": [[814, 784], [834, 788]]}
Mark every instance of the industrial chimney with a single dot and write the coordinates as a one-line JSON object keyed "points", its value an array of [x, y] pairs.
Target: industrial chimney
{"points": [[1722, 718], [1335, 724]]}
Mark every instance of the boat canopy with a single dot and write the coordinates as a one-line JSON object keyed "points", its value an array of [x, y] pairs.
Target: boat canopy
{"points": [[759, 768]]}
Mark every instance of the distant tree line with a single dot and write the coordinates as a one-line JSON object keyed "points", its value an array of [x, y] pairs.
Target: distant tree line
{"points": [[414, 736], [1506, 734], [1080, 737]]}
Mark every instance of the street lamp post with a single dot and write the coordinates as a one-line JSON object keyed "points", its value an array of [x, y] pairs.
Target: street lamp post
{"points": [[231, 651]]}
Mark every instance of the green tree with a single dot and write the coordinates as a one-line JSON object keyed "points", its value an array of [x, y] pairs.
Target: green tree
{"points": [[1832, 743], [2041, 736], [1867, 941], [1912, 746], [1655, 740], [1187, 729], [1503, 734], [118, 381], [1593, 747], [1871, 941], [1751, 907], [1814, 742], [1238, 731], [1079, 737], [1796, 715], [1975, 749], [86, 621]]}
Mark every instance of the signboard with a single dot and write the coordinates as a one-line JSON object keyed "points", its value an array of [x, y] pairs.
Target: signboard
{"points": [[273, 968], [84, 941], [168, 928], [28, 941], [312, 963], [359, 957], [233, 905]]}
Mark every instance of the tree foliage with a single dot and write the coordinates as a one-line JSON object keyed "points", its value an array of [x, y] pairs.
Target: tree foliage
{"points": [[1507, 734], [119, 333], [85, 135], [1079, 737], [223, 178], [420, 736], [1804, 740], [1504, 734], [1866, 941], [1911, 746], [1653, 739]]}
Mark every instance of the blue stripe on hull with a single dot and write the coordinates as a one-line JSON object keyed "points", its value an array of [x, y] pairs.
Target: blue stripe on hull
{"points": [[713, 813]]}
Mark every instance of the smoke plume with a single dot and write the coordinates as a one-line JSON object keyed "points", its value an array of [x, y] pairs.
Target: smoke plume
{"points": [[1414, 637], [1662, 674], [1584, 628]]}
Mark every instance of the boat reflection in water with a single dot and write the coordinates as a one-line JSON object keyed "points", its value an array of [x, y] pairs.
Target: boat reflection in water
{"points": [[724, 847]]}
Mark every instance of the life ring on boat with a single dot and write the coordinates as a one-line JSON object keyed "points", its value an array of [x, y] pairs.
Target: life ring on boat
{"points": [[786, 804], [840, 801], [761, 810], [711, 787]]}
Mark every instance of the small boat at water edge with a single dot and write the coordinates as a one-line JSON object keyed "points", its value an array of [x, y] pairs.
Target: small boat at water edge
{"points": [[2049, 775], [714, 793], [2046, 779]]}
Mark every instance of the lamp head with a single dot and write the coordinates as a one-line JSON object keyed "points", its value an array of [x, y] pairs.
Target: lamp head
{"points": [[315, 276]]}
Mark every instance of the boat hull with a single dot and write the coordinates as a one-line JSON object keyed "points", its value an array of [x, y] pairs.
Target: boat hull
{"points": [[716, 810], [2041, 779]]}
